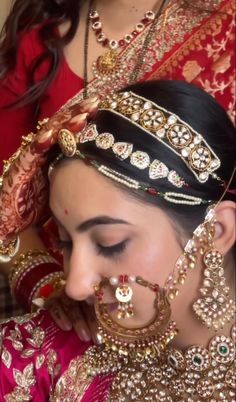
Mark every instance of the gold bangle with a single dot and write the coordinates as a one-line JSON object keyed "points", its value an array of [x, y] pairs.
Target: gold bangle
{"points": [[9, 251], [21, 263]]}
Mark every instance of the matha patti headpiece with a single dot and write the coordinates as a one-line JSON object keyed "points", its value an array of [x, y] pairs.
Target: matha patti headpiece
{"points": [[167, 128], [137, 158]]}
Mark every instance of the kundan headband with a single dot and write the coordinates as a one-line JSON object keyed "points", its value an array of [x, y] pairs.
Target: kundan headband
{"points": [[162, 125]]}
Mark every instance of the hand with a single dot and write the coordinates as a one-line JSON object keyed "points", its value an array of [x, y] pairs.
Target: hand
{"points": [[68, 313], [24, 190]]}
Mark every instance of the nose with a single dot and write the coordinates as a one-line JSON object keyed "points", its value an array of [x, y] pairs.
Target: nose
{"points": [[81, 276]]}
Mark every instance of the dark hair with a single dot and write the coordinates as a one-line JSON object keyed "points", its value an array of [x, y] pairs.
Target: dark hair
{"points": [[26, 14], [202, 113]]}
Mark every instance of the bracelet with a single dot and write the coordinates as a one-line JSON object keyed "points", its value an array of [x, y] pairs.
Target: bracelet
{"points": [[46, 287], [29, 272], [21, 263], [9, 251]]}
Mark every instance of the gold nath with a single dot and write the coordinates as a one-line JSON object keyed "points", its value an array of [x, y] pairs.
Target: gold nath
{"points": [[167, 128]]}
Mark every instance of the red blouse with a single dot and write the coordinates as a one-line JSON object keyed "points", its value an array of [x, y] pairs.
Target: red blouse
{"points": [[19, 121]]}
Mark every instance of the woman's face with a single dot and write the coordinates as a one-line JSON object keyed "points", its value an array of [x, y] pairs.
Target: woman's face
{"points": [[106, 233]]}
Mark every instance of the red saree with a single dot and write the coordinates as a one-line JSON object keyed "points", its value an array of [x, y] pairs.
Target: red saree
{"points": [[190, 44]]}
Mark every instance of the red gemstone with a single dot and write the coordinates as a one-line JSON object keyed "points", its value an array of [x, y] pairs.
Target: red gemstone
{"points": [[88, 161], [105, 42], [126, 278], [156, 288], [46, 290], [98, 31], [121, 42], [145, 20], [152, 191], [121, 278]]}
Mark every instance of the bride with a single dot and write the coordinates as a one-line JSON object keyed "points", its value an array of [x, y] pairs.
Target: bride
{"points": [[142, 191]]}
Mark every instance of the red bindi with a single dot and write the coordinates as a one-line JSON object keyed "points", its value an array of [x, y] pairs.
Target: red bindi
{"points": [[66, 211]]}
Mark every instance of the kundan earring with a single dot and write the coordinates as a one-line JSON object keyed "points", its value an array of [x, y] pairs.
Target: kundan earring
{"points": [[215, 308]]}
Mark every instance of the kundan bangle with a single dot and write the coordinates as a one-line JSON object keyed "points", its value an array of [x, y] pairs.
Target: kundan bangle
{"points": [[9, 251], [28, 273]]}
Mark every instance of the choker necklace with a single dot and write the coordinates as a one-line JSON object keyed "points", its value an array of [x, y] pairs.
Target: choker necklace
{"points": [[108, 66]]}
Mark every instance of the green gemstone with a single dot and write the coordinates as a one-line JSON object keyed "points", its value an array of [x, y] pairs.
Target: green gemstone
{"points": [[223, 350]]}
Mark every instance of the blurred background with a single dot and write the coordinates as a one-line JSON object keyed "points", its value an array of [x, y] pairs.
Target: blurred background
{"points": [[4, 7]]}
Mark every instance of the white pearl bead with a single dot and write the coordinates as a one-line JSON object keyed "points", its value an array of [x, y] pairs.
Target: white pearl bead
{"points": [[132, 279], [114, 281]]}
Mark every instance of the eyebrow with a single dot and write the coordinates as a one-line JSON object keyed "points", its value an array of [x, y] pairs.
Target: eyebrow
{"points": [[97, 220]]}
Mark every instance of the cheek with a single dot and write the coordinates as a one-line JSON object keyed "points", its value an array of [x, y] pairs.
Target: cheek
{"points": [[154, 262]]}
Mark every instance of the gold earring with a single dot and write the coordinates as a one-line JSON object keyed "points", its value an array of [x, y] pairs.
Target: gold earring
{"points": [[214, 308]]}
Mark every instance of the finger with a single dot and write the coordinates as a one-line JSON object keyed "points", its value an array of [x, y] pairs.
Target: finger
{"points": [[60, 317], [90, 106], [77, 123], [44, 141], [79, 323], [91, 321]]}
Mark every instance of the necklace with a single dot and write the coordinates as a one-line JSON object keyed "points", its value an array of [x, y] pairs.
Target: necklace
{"points": [[108, 64], [108, 67], [156, 374]]}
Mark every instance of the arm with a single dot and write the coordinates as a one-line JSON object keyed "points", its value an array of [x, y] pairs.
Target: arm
{"points": [[15, 122]]}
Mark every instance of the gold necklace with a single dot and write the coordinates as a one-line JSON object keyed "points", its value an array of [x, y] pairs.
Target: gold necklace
{"points": [[197, 375], [140, 364], [110, 66]]}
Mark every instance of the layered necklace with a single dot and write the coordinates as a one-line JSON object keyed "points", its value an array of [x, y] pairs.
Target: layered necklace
{"points": [[108, 67], [145, 367]]}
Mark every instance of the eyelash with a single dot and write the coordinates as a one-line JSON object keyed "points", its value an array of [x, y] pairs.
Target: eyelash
{"points": [[112, 251], [108, 252]]}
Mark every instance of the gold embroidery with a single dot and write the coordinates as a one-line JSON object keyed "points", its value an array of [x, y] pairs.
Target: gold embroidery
{"points": [[191, 70], [6, 357], [39, 361], [24, 380], [73, 383], [213, 49], [53, 367], [18, 395]]}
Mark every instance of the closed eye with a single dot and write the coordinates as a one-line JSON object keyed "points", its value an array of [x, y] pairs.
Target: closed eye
{"points": [[113, 250]]}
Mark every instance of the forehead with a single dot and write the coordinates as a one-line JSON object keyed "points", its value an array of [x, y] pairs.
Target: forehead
{"points": [[74, 184], [85, 193]]}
